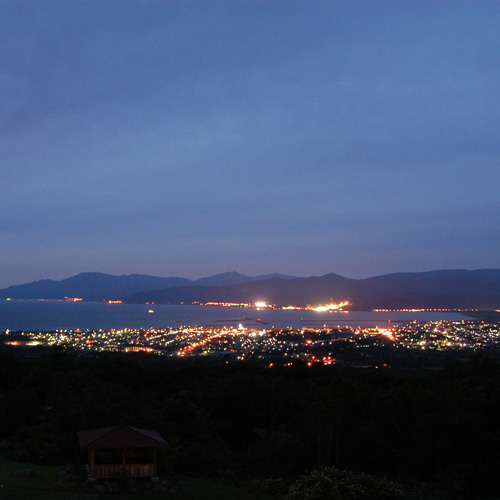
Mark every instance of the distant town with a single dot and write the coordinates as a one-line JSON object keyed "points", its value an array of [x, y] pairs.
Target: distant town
{"points": [[354, 346]]}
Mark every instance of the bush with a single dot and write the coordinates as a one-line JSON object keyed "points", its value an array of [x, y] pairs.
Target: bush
{"points": [[330, 483]]}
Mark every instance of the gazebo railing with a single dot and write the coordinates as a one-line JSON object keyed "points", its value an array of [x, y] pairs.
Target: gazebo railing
{"points": [[130, 470]]}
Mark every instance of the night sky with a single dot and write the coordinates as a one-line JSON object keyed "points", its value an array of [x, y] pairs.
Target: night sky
{"points": [[301, 137]]}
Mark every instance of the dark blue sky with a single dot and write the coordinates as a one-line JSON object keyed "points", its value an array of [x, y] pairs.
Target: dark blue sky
{"points": [[302, 137]]}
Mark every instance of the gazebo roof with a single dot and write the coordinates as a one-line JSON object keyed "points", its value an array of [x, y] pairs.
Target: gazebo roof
{"points": [[120, 436]]}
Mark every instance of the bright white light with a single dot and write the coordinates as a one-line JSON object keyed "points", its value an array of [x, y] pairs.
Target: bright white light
{"points": [[330, 307], [260, 304]]}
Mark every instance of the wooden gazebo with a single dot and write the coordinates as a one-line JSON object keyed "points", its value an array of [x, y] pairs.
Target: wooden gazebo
{"points": [[121, 451]]}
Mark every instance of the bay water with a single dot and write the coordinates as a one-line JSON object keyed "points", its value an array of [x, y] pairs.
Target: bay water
{"points": [[26, 315]]}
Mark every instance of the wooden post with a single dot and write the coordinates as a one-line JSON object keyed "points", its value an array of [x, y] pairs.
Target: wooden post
{"points": [[92, 463], [155, 454]]}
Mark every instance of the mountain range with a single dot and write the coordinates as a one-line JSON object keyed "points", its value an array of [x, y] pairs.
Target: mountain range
{"points": [[100, 286], [454, 289]]}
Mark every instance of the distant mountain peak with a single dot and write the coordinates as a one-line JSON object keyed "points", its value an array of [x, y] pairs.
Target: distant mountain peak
{"points": [[451, 288], [227, 274], [102, 286]]}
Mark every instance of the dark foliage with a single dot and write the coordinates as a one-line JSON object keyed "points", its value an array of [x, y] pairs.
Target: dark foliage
{"points": [[329, 483], [437, 427]]}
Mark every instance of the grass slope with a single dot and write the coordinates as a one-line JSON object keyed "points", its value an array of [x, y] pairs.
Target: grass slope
{"points": [[44, 486]]}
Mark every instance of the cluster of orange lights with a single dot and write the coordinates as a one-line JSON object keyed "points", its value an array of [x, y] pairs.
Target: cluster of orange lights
{"points": [[329, 307], [139, 349], [423, 310], [264, 305], [326, 360], [387, 332], [224, 304], [322, 308], [191, 347], [66, 299]]}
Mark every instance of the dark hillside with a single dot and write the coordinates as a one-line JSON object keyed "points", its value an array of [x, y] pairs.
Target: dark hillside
{"points": [[453, 289], [100, 286], [240, 420]]}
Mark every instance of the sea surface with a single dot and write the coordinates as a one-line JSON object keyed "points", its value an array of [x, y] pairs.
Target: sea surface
{"points": [[28, 315]]}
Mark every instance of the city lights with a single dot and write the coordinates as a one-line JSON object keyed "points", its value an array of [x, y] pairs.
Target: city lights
{"points": [[280, 346]]}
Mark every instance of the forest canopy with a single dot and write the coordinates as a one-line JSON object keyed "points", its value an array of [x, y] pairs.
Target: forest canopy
{"points": [[438, 427]]}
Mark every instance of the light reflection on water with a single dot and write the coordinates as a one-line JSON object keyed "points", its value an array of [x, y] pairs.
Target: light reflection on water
{"points": [[46, 316]]}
